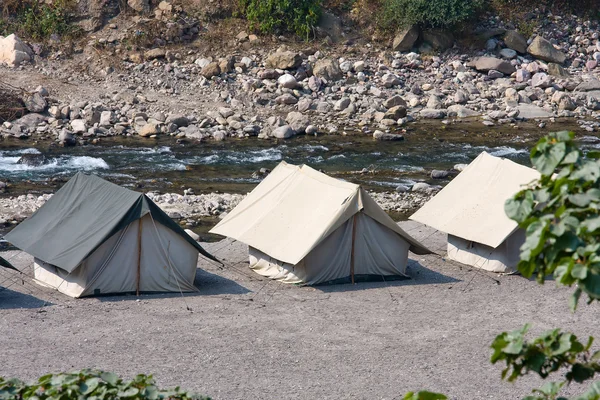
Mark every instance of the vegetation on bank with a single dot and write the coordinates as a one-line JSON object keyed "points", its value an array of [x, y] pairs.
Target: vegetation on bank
{"points": [[560, 214], [92, 385], [38, 20]]}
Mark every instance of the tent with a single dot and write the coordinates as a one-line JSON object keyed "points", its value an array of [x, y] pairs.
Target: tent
{"points": [[93, 237], [470, 209], [303, 226]]}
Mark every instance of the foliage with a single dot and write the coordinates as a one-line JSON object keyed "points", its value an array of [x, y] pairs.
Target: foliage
{"points": [[428, 13], [89, 384], [36, 20], [423, 395], [270, 16], [560, 214]]}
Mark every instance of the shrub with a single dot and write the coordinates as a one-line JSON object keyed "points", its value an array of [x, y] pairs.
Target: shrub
{"points": [[37, 20], [428, 13], [90, 384], [272, 16]]}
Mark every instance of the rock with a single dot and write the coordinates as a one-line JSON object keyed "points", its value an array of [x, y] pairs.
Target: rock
{"points": [[591, 64], [311, 129], [13, 51], [486, 64], [30, 120], [287, 81], [32, 160], [439, 40], [286, 98], [35, 102], [428, 113], [557, 70], [588, 86], [341, 104], [79, 126], [530, 111], [283, 60], [327, 69], [566, 103], [390, 80], [219, 136], [395, 113], [438, 174], [388, 137], [66, 138], [225, 112], [202, 62], [523, 75], [314, 83], [461, 112], [514, 40], [148, 130], [106, 118], [421, 187], [179, 120], [155, 53], [402, 189], [210, 70], [544, 50], [406, 39], [330, 25], [394, 101], [284, 132], [461, 97], [297, 121], [508, 53], [541, 80], [142, 6], [304, 105], [460, 167]]}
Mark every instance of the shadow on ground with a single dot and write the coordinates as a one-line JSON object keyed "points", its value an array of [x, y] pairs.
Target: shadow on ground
{"points": [[10, 299]]}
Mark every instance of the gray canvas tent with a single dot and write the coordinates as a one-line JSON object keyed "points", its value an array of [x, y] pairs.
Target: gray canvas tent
{"points": [[303, 226], [470, 209], [94, 237]]}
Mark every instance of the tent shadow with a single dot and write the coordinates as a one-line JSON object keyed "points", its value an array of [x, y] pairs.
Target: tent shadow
{"points": [[417, 275], [10, 299]]}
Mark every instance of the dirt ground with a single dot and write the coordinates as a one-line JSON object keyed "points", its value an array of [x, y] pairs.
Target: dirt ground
{"points": [[249, 338]]}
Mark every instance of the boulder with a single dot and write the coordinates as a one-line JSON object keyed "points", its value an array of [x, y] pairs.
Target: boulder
{"points": [[284, 132], [388, 137], [287, 81], [557, 70], [439, 40], [35, 102], [486, 64], [395, 113], [283, 60], [588, 86], [13, 51], [79, 126], [179, 120], [394, 101], [405, 39], [541, 80], [148, 130], [154, 54], [514, 40], [544, 50], [459, 111], [508, 53], [327, 69], [66, 138], [210, 70], [439, 174], [297, 121], [429, 113], [342, 104]]}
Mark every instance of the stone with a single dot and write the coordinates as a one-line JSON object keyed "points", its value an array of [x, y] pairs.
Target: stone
{"points": [[286, 98], [311, 130], [486, 64], [287, 81], [148, 130], [394, 101], [179, 120], [66, 138], [421, 187], [438, 39], [541, 80], [406, 39], [142, 6], [591, 64], [395, 113], [314, 83], [388, 137], [297, 121], [79, 126], [155, 53], [283, 60], [304, 105], [523, 75], [13, 51], [530, 111], [588, 86], [459, 111], [202, 62], [514, 40], [493, 74], [284, 132], [461, 97], [557, 70], [567, 103], [106, 118], [390, 80], [219, 136], [341, 104], [32, 160], [327, 69], [210, 70], [544, 50], [439, 174], [225, 112], [508, 53], [428, 113], [35, 102]]}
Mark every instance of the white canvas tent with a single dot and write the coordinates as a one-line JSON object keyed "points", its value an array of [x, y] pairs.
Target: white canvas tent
{"points": [[93, 237], [303, 226], [470, 209]]}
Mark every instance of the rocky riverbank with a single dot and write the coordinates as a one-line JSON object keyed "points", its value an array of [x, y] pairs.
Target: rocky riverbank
{"points": [[189, 208]]}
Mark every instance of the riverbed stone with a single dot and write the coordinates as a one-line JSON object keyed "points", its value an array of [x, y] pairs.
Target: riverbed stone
{"points": [[394, 101], [286, 98], [395, 113], [541, 80], [514, 40], [460, 111], [387, 137], [406, 39], [148, 130], [557, 70], [428, 113], [544, 50], [486, 64], [297, 121], [328, 69], [588, 86], [439, 39], [210, 70], [79, 126], [66, 138], [35, 102], [284, 132], [342, 104], [287, 81], [283, 60]]}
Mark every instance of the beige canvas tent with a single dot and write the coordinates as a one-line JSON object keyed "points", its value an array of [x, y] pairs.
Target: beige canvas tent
{"points": [[93, 237], [470, 209], [303, 226]]}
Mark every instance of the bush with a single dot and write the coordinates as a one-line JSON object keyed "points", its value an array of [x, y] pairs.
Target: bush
{"points": [[89, 384], [427, 13], [272, 16], [36, 20]]}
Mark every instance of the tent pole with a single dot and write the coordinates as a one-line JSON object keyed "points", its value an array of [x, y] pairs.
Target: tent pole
{"points": [[352, 254], [139, 257]]}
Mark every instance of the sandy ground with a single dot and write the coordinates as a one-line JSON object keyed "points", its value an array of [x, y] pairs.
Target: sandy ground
{"points": [[249, 338]]}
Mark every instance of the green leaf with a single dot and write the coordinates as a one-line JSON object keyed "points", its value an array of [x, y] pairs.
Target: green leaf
{"points": [[546, 160], [110, 378], [424, 395], [129, 392], [579, 271], [591, 224], [519, 210], [534, 240], [587, 172], [581, 199], [591, 286], [574, 299]]}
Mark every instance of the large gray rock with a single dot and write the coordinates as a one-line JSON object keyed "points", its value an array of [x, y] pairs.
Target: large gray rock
{"points": [[179, 120], [79, 125], [395, 113], [544, 50], [388, 137], [541, 80], [13, 51], [405, 39], [297, 121], [514, 40], [35, 102], [429, 113], [486, 64], [459, 111], [530, 111], [588, 86], [439, 40], [284, 132], [66, 138], [283, 60], [327, 69], [394, 101]]}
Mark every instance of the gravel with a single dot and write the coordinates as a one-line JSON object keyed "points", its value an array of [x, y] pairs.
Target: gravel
{"points": [[247, 337]]}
